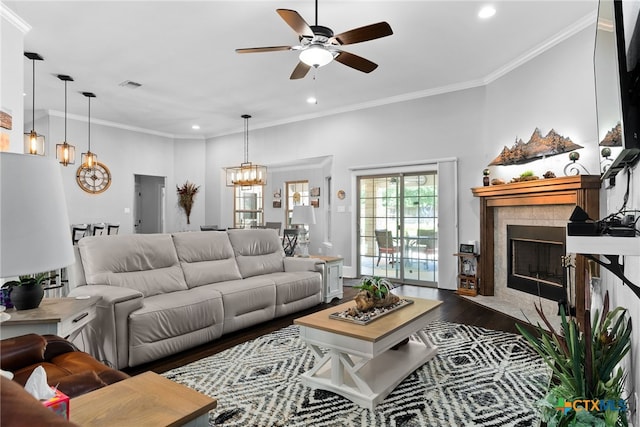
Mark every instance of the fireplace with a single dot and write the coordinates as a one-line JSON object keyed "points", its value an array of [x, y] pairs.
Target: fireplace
{"points": [[535, 260]]}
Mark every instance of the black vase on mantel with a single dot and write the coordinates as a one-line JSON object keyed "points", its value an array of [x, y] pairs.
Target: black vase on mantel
{"points": [[26, 296]]}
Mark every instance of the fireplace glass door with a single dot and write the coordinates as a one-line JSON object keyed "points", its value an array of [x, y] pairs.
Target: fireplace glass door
{"points": [[398, 227]]}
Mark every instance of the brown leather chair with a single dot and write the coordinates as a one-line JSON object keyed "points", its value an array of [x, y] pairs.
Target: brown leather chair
{"points": [[73, 371]]}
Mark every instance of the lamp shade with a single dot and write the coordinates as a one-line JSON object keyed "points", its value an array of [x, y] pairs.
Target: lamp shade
{"points": [[34, 224], [303, 215]]}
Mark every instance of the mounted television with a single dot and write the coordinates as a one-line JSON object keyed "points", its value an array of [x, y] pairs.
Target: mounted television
{"points": [[617, 78]]}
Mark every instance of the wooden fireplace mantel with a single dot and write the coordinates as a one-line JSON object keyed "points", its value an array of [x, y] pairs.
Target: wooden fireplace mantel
{"points": [[577, 190]]}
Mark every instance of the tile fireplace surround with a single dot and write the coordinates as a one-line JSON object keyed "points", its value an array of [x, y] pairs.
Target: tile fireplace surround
{"points": [[548, 202]]}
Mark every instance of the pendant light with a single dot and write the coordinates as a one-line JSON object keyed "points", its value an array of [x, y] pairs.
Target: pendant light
{"points": [[33, 143], [89, 159], [65, 152], [247, 173]]}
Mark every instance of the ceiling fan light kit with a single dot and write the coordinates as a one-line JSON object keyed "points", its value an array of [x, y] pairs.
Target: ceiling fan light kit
{"points": [[316, 56], [318, 45]]}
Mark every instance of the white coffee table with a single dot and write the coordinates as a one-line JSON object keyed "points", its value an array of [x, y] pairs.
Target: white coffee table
{"points": [[359, 363]]}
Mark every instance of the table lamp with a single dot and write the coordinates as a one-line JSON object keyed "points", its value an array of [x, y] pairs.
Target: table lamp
{"points": [[303, 215], [34, 225]]}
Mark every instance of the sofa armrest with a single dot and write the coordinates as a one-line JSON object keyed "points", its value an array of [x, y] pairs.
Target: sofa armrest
{"points": [[56, 346], [302, 264], [21, 351], [109, 334]]}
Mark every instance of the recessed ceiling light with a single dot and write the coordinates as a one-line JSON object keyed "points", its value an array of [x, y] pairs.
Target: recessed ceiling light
{"points": [[312, 100], [195, 127], [487, 12]]}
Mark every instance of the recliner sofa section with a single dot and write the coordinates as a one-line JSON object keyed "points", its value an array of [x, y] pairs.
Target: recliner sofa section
{"points": [[165, 293]]}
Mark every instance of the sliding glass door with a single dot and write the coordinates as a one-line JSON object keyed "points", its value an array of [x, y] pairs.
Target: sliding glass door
{"points": [[398, 227]]}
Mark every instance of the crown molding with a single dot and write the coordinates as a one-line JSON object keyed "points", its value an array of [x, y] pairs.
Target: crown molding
{"points": [[80, 118], [11, 17]]}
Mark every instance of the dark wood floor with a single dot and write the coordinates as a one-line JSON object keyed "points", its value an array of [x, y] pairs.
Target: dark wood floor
{"points": [[454, 309]]}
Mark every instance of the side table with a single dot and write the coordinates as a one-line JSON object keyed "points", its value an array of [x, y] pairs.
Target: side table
{"points": [[64, 317], [331, 277]]}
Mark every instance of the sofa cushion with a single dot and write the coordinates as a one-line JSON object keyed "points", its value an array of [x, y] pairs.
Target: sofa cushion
{"points": [[246, 302], [206, 257], [296, 291], [147, 263], [257, 251], [174, 314]]}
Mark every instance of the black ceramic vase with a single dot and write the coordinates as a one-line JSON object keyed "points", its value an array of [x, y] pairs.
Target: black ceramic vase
{"points": [[27, 296]]}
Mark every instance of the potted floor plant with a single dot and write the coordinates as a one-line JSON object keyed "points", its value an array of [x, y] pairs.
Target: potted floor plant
{"points": [[587, 383]]}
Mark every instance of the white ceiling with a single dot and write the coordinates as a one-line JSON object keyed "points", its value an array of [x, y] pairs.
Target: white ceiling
{"points": [[182, 52]]}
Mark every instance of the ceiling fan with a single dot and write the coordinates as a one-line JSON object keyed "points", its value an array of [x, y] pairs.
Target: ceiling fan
{"points": [[319, 46]]}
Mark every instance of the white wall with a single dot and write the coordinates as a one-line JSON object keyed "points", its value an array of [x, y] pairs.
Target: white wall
{"points": [[127, 153], [12, 70], [189, 164], [554, 90], [620, 295], [426, 129]]}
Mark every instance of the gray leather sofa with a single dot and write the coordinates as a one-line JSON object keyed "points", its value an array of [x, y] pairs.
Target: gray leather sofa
{"points": [[164, 293]]}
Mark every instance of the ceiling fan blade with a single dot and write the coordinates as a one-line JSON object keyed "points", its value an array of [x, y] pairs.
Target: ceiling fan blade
{"points": [[295, 21], [363, 34], [355, 61], [263, 49], [300, 71]]}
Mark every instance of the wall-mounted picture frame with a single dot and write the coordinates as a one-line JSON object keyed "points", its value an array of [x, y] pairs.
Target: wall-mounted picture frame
{"points": [[466, 248], [314, 192], [277, 203], [315, 203]]}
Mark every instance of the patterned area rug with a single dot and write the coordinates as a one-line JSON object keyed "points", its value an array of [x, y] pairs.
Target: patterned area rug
{"points": [[480, 377]]}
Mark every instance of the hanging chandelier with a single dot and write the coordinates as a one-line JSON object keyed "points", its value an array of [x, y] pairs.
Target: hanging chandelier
{"points": [[247, 173], [65, 152], [33, 143], [89, 159]]}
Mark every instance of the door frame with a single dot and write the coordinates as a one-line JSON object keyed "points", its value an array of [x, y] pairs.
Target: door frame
{"points": [[447, 169], [159, 184]]}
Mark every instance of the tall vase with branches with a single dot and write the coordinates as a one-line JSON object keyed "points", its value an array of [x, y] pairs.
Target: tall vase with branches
{"points": [[186, 196]]}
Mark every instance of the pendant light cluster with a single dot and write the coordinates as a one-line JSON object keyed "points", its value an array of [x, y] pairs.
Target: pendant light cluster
{"points": [[247, 173], [65, 152], [34, 143]]}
